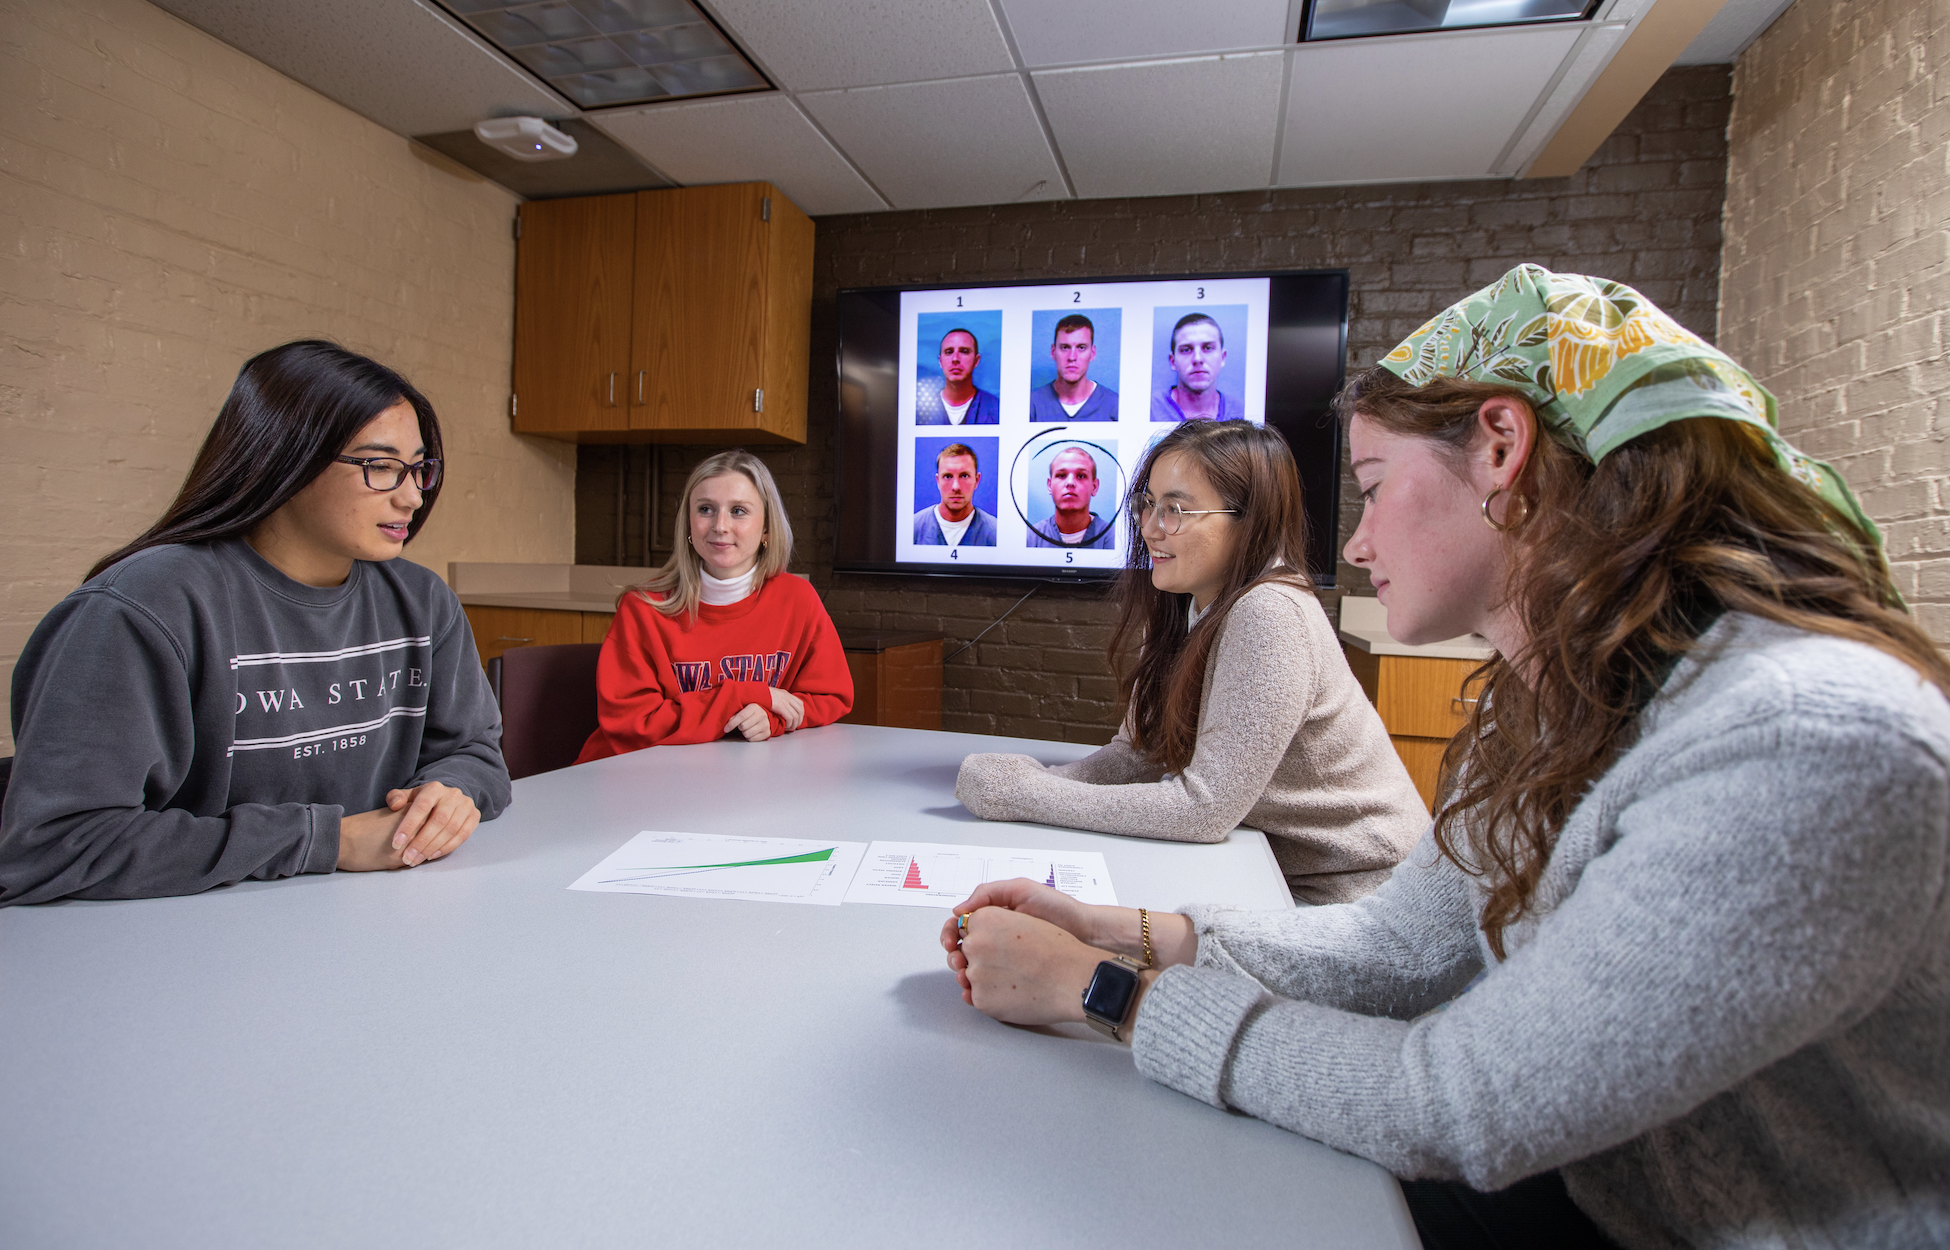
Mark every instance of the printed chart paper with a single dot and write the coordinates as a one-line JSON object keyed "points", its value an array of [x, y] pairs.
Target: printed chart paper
{"points": [[710, 865], [932, 874]]}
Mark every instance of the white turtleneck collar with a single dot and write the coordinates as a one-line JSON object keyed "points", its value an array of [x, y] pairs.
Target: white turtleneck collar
{"points": [[719, 591], [1192, 613]]}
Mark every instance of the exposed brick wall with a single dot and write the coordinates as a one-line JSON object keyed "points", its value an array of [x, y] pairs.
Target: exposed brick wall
{"points": [[1645, 210], [1837, 265], [169, 206]]}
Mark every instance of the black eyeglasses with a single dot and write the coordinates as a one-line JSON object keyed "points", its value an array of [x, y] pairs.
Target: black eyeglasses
{"points": [[426, 473]]}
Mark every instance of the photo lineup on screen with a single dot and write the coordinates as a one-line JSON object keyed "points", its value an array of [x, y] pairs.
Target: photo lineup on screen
{"points": [[1066, 387]]}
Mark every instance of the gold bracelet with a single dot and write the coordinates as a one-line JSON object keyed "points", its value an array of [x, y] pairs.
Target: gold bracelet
{"points": [[1144, 928]]}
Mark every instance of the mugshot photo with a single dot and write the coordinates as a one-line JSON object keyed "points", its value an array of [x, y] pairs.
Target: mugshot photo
{"points": [[958, 367], [1071, 493], [1198, 363], [1073, 360], [954, 491]]}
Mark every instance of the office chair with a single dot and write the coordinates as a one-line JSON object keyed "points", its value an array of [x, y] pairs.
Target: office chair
{"points": [[548, 704]]}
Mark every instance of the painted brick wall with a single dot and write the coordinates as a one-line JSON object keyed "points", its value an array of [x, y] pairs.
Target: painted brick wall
{"points": [[1836, 274], [168, 206], [1645, 210]]}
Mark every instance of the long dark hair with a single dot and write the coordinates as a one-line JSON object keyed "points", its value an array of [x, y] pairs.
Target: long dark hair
{"points": [[292, 409], [1253, 472], [1613, 574]]}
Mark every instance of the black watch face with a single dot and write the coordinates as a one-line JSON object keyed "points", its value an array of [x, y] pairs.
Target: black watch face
{"points": [[1110, 993]]}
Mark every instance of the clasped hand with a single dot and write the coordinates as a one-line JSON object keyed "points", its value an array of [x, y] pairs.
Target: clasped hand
{"points": [[1029, 951], [416, 825], [752, 721]]}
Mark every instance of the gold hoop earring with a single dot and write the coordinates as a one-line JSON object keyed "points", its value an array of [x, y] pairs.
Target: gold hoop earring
{"points": [[1509, 522]]}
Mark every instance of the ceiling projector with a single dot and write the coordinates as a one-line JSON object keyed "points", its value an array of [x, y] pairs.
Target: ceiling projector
{"points": [[525, 138]]}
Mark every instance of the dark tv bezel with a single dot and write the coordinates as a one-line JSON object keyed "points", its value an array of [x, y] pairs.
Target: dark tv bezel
{"points": [[1323, 577]]}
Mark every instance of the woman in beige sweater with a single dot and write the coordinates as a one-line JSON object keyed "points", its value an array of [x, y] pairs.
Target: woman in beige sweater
{"points": [[1242, 708]]}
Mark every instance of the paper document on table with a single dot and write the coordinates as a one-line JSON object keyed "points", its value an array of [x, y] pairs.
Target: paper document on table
{"points": [[712, 865], [933, 874]]}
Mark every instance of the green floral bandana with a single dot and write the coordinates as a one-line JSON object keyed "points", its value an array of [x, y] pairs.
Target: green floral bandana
{"points": [[1602, 365]]}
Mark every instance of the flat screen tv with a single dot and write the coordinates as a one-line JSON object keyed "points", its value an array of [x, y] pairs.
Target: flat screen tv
{"points": [[991, 431]]}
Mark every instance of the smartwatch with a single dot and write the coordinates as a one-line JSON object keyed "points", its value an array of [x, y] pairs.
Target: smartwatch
{"points": [[1113, 988]]}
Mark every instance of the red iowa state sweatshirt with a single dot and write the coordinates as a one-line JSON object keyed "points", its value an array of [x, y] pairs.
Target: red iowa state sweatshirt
{"points": [[671, 680]]}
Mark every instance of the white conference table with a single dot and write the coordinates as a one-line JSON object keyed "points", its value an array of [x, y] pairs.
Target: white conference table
{"points": [[470, 1054]]}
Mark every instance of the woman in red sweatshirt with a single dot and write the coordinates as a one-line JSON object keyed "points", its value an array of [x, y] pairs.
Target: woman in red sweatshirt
{"points": [[721, 639]]}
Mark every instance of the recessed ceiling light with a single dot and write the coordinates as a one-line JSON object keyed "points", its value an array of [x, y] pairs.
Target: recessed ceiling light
{"points": [[605, 53], [1346, 19]]}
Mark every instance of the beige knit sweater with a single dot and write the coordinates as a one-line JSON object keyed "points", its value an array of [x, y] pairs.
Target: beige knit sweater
{"points": [[1287, 744]]}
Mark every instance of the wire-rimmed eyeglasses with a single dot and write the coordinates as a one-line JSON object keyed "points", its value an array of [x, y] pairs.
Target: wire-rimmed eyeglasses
{"points": [[391, 472], [1171, 516]]}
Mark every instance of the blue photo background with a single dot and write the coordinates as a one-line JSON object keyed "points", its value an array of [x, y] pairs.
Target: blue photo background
{"points": [[1110, 475], [928, 495], [1232, 327], [984, 324], [1107, 331]]}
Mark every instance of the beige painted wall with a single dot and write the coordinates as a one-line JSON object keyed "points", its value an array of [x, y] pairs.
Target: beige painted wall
{"points": [[1835, 278], [168, 206]]}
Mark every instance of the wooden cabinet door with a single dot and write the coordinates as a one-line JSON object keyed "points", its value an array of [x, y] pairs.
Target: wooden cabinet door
{"points": [[573, 275], [700, 293], [498, 629], [1423, 697]]}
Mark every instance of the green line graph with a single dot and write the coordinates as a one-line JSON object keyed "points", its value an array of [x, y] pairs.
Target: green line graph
{"points": [[728, 866], [679, 870]]}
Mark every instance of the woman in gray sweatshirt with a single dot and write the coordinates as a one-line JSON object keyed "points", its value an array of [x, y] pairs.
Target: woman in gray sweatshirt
{"points": [[258, 686], [1242, 707], [1673, 966]]}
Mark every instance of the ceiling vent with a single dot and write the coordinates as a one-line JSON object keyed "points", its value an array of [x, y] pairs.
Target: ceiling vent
{"points": [[606, 53]]}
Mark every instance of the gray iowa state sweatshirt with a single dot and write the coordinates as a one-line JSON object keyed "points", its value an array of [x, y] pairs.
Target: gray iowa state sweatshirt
{"points": [[193, 717]]}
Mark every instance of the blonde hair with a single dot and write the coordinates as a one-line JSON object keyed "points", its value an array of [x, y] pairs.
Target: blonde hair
{"points": [[680, 582]]}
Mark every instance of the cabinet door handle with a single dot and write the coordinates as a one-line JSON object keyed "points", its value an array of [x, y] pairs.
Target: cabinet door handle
{"points": [[1462, 705], [612, 389], [639, 386], [510, 638]]}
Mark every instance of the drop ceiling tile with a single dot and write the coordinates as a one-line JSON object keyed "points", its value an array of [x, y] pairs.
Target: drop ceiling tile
{"points": [[916, 144], [401, 63], [1166, 128], [810, 46], [1109, 30], [744, 139], [1412, 108]]}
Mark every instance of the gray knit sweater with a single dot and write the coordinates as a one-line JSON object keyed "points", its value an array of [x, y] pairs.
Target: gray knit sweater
{"points": [[1729, 1020], [1287, 744]]}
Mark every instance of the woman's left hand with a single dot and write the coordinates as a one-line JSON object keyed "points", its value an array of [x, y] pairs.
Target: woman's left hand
{"points": [[437, 819], [789, 708], [1022, 970]]}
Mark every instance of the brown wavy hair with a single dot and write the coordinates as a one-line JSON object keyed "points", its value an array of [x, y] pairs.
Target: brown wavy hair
{"points": [[1253, 472], [1615, 572]]}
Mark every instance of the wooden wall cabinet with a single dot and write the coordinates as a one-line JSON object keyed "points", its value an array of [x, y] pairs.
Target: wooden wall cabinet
{"points": [[678, 316]]}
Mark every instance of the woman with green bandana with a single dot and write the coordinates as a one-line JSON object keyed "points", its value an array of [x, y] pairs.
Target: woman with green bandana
{"points": [[1672, 967]]}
